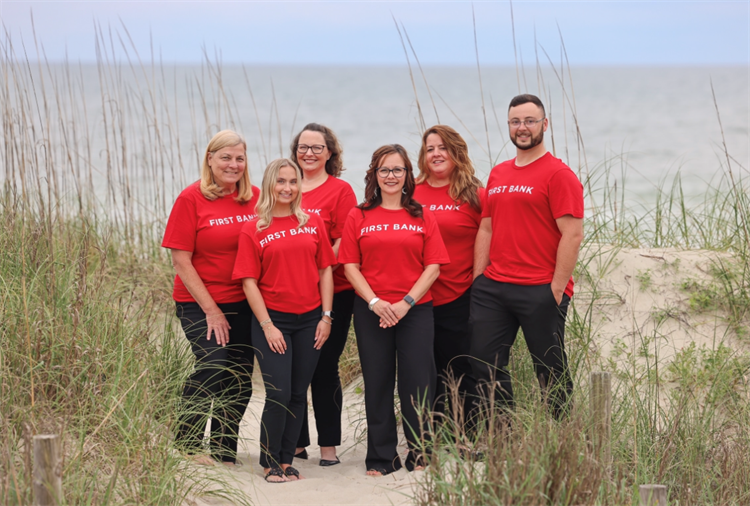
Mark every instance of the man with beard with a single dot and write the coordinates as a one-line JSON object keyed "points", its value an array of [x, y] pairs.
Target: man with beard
{"points": [[526, 249]]}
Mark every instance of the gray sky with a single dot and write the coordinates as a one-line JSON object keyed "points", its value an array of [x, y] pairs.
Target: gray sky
{"points": [[354, 32]]}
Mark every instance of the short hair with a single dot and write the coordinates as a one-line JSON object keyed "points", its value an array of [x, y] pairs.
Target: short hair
{"points": [[525, 99], [373, 197], [209, 188], [334, 165], [267, 199], [463, 183]]}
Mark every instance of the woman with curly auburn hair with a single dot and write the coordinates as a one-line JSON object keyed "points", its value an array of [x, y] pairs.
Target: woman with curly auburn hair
{"points": [[202, 232], [392, 251], [284, 260], [448, 187]]}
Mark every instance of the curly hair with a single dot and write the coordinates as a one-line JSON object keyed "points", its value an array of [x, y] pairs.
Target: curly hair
{"points": [[374, 198], [335, 164], [464, 183]]}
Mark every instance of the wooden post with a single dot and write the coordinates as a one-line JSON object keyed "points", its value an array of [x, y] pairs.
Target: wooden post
{"points": [[653, 495], [601, 412], [47, 484]]}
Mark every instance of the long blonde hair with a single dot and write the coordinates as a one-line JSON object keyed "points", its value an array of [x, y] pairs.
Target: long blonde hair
{"points": [[267, 199], [209, 188], [464, 183]]}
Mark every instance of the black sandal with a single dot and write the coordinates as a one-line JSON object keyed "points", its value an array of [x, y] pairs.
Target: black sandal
{"points": [[277, 472], [291, 472], [380, 470]]}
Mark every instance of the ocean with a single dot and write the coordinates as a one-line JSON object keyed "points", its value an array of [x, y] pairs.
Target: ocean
{"points": [[142, 129]]}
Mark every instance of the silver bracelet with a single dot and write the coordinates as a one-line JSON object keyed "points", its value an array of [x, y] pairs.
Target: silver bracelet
{"points": [[264, 323], [324, 321]]}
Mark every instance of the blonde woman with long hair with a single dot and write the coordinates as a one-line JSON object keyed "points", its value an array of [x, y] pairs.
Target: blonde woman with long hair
{"points": [[284, 261], [202, 232]]}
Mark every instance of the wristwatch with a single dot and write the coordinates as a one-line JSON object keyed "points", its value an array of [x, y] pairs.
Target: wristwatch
{"points": [[329, 314], [410, 300], [371, 304]]}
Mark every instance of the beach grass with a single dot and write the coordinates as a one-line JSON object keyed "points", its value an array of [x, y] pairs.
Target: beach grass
{"points": [[90, 349]]}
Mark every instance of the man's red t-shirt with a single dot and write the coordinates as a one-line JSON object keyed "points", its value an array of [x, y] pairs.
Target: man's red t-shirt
{"points": [[285, 260], [209, 229], [524, 203], [458, 227], [392, 248], [332, 201]]}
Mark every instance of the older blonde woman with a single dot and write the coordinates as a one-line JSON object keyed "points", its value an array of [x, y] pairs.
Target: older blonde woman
{"points": [[202, 232], [284, 262]]}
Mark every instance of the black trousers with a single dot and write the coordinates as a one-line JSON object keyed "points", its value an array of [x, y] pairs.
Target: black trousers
{"points": [[452, 352], [497, 311], [286, 378], [222, 378], [327, 397], [404, 347]]}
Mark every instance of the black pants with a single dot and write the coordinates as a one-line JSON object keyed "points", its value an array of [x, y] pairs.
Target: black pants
{"points": [[286, 377], [327, 398], [407, 346], [222, 378], [452, 352], [497, 311]]}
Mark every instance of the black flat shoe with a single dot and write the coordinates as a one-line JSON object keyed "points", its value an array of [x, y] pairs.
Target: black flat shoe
{"points": [[301, 455], [328, 463]]}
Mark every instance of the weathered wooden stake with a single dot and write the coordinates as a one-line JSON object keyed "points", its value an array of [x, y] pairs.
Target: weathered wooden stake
{"points": [[601, 411], [653, 495], [47, 485]]}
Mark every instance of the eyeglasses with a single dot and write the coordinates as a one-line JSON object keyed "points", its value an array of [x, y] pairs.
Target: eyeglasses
{"points": [[528, 123], [316, 148], [398, 172]]}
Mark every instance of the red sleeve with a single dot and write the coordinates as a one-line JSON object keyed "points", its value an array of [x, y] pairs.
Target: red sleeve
{"points": [[565, 194], [248, 263], [482, 192], [347, 201], [181, 226], [434, 248], [349, 248], [324, 256]]}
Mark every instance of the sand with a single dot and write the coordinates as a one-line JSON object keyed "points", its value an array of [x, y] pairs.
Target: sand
{"points": [[636, 303]]}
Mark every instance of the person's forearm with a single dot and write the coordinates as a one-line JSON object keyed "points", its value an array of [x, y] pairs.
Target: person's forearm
{"points": [[183, 266], [255, 299], [358, 281], [482, 248], [425, 281], [326, 289], [567, 256]]}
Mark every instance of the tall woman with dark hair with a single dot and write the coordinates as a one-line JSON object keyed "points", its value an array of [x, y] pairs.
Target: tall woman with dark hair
{"points": [[392, 251], [202, 232], [447, 186], [284, 259], [318, 153]]}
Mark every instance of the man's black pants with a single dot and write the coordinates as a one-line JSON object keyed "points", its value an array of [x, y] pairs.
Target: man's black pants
{"points": [[497, 311]]}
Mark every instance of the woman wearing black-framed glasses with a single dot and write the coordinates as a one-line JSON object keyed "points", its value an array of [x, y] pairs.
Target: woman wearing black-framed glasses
{"points": [[392, 251]]}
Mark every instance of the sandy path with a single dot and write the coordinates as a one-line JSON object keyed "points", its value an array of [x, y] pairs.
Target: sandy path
{"points": [[345, 483]]}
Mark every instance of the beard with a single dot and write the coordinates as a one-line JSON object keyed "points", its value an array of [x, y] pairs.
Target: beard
{"points": [[533, 142]]}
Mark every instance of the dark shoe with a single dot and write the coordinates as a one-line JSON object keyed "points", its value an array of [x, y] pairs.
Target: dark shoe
{"points": [[275, 472], [291, 472], [328, 463], [383, 471], [301, 455]]}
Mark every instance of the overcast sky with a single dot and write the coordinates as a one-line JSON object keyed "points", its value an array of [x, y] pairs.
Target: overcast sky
{"points": [[357, 32]]}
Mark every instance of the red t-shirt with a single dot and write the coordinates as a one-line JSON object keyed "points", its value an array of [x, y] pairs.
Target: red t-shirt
{"points": [[209, 229], [332, 201], [392, 248], [524, 203], [458, 227], [285, 260]]}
